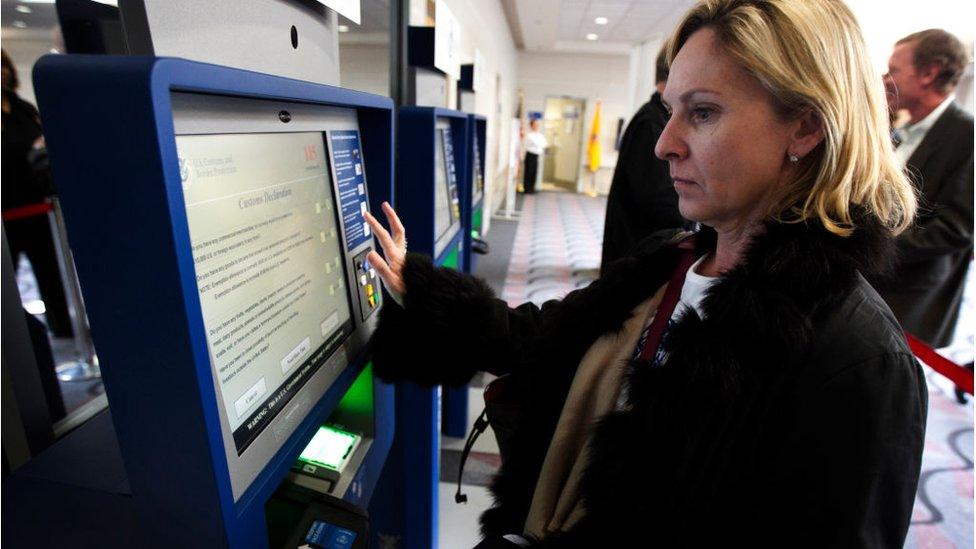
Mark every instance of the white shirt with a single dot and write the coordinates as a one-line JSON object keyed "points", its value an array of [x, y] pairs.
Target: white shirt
{"points": [[693, 291], [535, 143], [912, 136]]}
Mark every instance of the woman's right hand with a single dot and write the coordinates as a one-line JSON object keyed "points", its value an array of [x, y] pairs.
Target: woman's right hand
{"points": [[394, 249]]}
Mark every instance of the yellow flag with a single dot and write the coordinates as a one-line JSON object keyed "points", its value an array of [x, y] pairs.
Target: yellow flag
{"points": [[593, 150]]}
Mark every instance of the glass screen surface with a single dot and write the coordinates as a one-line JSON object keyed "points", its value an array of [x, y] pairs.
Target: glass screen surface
{"points": [[452, 187], [442, 201], [477, 178], [270, 272]]}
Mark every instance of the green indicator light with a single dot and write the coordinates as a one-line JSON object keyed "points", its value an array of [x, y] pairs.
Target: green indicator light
{"points": [[330, 447], [476, 219], [357, 403], [451, 261]]}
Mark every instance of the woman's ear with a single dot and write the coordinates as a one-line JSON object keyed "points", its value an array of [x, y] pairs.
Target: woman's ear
{"points": [[808, 134]]}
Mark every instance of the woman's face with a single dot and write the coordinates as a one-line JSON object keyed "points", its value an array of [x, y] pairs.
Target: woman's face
{"points": [[725, 143]]}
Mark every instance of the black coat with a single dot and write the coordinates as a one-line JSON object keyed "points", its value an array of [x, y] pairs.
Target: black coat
{"points": [[22, 184], [642, 199], [792, 415], [925, 290]]}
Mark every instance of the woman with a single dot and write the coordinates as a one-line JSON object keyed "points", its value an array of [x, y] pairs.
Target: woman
{"points": [[779, 403], [27, 181], [535, 147]]}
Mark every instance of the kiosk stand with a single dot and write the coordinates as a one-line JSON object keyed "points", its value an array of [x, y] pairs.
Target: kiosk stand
{"points": [[475, 194], [432, 179], [215, 218], [432, 145]]}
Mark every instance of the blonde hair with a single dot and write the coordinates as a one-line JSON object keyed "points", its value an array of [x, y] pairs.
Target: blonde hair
{"points": [[810, 55]]}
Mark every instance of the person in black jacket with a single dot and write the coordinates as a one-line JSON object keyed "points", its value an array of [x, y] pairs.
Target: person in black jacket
{"points": [[642, 198], [741, 386], [26, 181], [936, 147]]}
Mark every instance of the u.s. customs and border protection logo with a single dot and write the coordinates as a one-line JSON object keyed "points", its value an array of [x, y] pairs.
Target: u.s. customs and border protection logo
{"points": [[184, 174]]}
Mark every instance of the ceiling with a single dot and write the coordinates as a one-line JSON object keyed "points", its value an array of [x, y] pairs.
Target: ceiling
{"points": [[537, 25], [563, 25], [43, 18], [39, 22]]}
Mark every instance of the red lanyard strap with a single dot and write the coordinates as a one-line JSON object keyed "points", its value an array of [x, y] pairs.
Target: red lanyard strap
{"points": [[669, 301]]}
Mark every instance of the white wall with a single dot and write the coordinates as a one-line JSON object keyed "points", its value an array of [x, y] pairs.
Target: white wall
{"points": [[643, 62], [365, 67], [25, 51], [483, 27], [884, 23], [587, 76]]}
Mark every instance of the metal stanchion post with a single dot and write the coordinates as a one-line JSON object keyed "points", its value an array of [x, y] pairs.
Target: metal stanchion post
{"points": [[509, 213], [84, 366]]}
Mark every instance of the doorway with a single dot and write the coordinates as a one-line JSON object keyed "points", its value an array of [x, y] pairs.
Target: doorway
{"points": [[563, 126]]}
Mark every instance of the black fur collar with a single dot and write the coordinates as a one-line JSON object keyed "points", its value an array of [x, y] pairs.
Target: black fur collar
{"points": [[764, 310], [789, 275], [800, 266]]}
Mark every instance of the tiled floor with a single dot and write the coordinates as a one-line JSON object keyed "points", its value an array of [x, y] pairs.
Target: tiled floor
{"points": [[75, 394], [457, 526]]}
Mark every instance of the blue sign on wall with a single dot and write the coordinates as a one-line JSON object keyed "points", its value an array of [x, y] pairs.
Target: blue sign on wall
{"points": [[348, 161]]}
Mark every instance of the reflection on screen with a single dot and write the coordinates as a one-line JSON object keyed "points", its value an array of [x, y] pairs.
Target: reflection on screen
{"points": [[269, 266], [452, 188], [442, 201], [477, 178]]}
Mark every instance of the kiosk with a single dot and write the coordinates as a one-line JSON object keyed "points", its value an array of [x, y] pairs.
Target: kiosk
{"points": [[431, 162], [215, 216], [475, 193]]}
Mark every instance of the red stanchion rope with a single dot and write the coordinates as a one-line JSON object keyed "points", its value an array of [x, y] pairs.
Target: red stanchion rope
{"points": [[962, 377], [29, 210]]}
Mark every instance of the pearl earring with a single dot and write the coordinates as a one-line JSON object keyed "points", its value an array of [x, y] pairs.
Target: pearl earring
{"points": [[794, 158]]}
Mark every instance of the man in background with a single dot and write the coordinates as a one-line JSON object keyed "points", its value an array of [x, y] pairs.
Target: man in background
{"points": [[936, 147], [642, 198]]}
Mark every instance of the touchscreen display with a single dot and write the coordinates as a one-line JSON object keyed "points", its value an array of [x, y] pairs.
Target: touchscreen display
{"points": [[442, 201], [477, 178], [269, 266], [452, 188]]}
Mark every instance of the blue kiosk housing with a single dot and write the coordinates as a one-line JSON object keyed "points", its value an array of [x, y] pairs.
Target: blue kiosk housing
{"points": [[432, 145], [475, 189], [215, 219]]}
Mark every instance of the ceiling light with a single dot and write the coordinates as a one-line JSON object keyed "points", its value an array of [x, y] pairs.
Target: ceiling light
{"points": [[601, 20], [343, 28], [24, 9], [20, 24], [35, 307], [591, 36]]}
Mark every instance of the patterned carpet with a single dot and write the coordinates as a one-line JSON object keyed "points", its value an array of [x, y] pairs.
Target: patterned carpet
{"points": [[557, 247], [943, 514]]}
